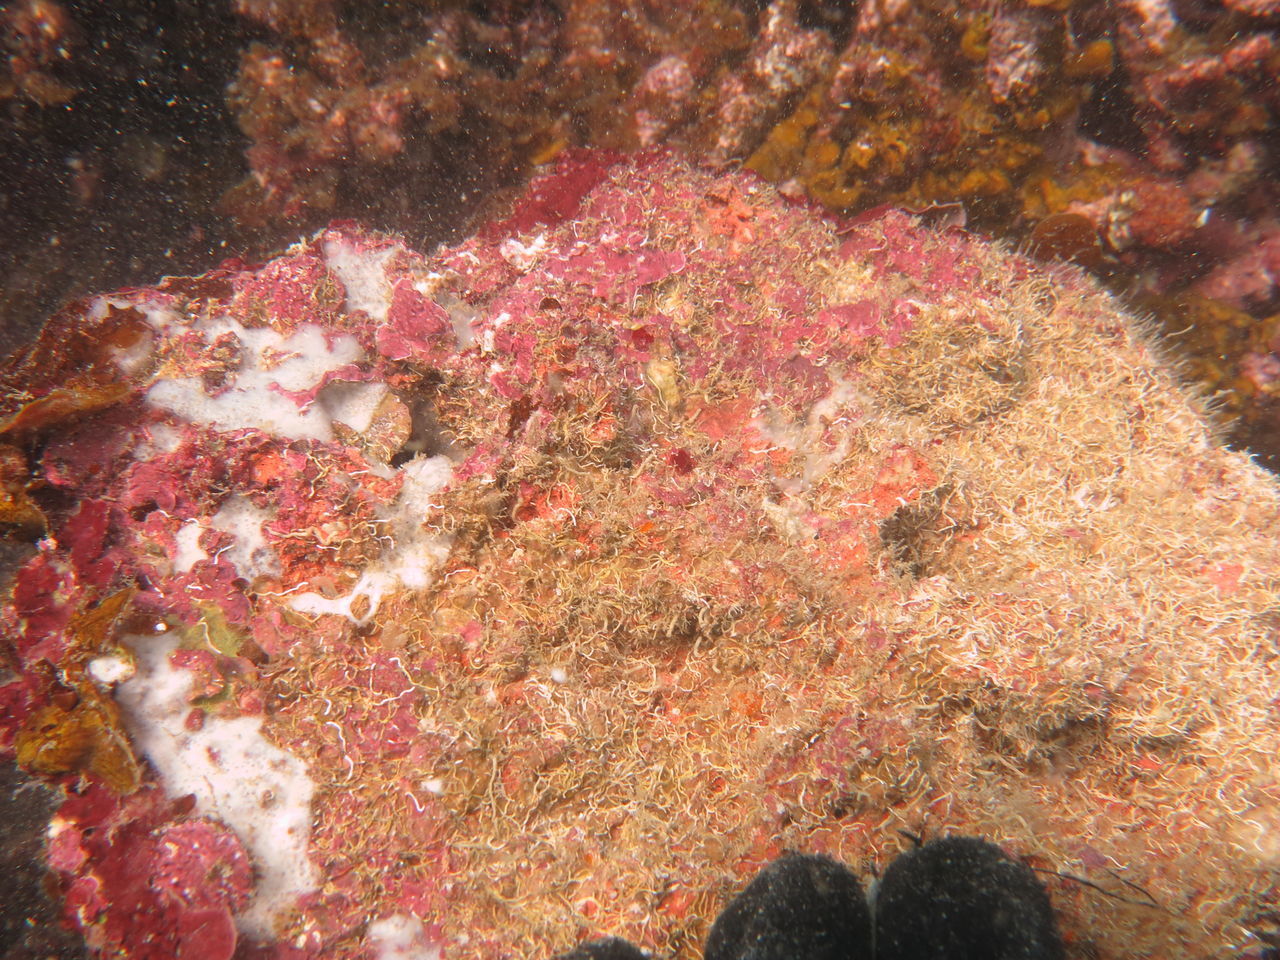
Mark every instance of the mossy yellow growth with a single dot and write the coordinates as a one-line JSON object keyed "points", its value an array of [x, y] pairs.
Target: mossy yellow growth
{"points": [[966, 122], [79, 730]]}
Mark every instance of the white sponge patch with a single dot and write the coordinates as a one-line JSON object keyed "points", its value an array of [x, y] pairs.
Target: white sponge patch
{"points": [[363, 274], [353, 402], [187, 551], [418, 549], [254, 395], [359, 606], [249, 552], [237, 776], [410, 561], [402, 937]]}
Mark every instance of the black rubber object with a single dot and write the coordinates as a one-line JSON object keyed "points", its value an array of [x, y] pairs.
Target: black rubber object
{"points": [[800, 907], [606, 948], [962, 898]]}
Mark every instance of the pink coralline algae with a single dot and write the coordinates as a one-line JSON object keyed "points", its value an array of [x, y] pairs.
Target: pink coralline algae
{"points": [[1250, 273], [135, 877], [547, 586]]}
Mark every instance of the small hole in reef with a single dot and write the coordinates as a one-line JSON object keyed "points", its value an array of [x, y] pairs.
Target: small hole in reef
{"points": [[427, 436], [1110, 117]]}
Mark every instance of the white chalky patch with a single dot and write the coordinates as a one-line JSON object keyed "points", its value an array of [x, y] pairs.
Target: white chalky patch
{"points": [[187, 551], [160, 317], [523, 255], [370, 588], [363, 274], [237, 776], [352, 403], [159, 438], [131, 359], [464, 317], [402, 937], [805, 437], [418, 550], [249, 552], [409, 561], [110, 669], [251, 396]]}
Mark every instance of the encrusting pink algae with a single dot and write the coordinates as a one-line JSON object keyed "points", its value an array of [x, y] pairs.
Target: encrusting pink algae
{"points": [[549, 585]]}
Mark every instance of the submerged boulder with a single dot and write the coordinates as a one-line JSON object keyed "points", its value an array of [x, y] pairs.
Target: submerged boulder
{"points": [[549, 585]]}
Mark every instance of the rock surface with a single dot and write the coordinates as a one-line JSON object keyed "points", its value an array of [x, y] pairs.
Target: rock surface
{"points": [[581, 569]]}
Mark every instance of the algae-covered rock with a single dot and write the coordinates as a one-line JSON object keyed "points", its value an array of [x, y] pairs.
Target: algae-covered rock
{"points": [[549, 585]]}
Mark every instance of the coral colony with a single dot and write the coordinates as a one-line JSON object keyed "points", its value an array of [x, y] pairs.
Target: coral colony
{"points": [[547, 587]]}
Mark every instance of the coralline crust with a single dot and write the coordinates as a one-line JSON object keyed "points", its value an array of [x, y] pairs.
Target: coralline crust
{"points": [[760, 531]]}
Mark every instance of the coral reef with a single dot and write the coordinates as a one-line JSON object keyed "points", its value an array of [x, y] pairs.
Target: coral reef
{"points": [[1149, 120], [1150, 123], [548, 586], [332, 100]]}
